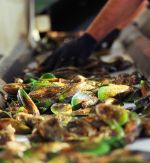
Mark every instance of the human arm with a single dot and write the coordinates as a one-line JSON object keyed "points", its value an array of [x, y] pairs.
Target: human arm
{"points": [[113, 14], [76, 52]]}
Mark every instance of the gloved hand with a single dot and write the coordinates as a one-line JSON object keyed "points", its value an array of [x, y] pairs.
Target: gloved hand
{"points": [[108, 40], [74, 53]]}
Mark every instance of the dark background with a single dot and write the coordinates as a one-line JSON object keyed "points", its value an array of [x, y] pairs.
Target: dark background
{"points": [[70, 15]]}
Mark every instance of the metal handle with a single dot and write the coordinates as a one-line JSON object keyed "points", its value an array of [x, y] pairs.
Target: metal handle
{"points": [[33, 33]]}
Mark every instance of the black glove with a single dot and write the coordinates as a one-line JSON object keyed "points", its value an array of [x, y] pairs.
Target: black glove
{"points": [[108, 40], [74, 53]]}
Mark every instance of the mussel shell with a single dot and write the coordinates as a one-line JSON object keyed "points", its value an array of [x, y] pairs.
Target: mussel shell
{"points": [[85, 99], [81, 127], [67, 72], [112, 112], [5, 114], [17, 125], [13, 88], [60, 108], [112, 90], [146, 126], [7, 134], [27, 102], [47, 76], [50, 130], [47, 83], [44, 92], [133, 127], [29, 119], [74, 88]]}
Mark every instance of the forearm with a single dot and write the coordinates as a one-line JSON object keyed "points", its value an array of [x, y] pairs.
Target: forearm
{"points": [[137, 12], [112, 15]]}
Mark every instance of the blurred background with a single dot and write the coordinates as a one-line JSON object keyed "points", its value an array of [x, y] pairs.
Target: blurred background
{"points": [[60, 15], [13, 23], [30, 25], [19, 18]]}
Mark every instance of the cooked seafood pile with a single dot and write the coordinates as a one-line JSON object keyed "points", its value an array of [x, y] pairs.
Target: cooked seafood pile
{"points": [[75, 115]]}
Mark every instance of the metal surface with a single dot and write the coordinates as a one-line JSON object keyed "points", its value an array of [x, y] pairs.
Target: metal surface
{"points": [[12, 65], [33, 39], [138, 46], [142, 145]]}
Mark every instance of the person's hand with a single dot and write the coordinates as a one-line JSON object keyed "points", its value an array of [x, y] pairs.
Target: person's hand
{"points": [[74, 53], [107, 42]]}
